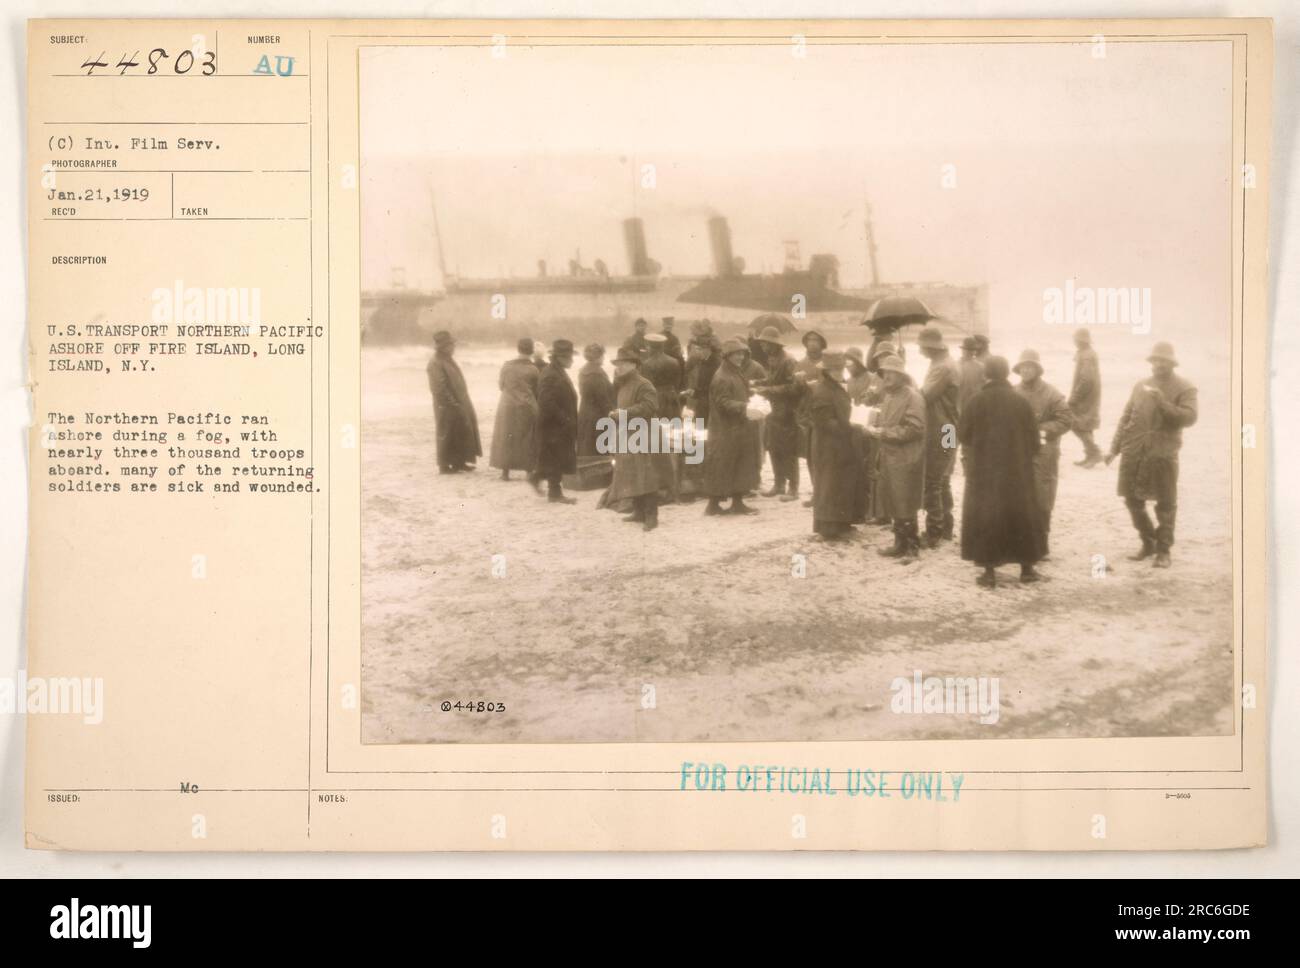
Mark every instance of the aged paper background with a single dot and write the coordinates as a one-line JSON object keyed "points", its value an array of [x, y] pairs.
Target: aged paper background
{"points": [[246, 713]]}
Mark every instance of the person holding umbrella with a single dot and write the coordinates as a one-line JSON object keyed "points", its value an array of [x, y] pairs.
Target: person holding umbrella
{"points": [[900, 430]]}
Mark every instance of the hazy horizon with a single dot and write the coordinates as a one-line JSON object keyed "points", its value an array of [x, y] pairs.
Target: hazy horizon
{"points": [[1108, 172]]}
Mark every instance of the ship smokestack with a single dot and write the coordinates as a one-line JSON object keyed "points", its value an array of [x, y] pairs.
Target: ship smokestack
{"points": [[638, 260], [724, 264]]}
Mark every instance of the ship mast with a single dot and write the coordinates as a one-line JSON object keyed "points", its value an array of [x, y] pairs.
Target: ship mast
{"points": [[437, 234], [871, 248]]}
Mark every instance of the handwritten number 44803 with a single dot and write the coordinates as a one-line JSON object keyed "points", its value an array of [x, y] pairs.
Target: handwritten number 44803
{"points": [[183, 63]]}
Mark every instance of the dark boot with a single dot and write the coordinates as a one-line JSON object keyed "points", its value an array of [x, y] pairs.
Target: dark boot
{"points": [[1137, 510], [738, 506], [1162, 560], [535, 481], [505, 475], [911, 544], [900, 543], [556, 496], [776, 490], [1027, 574], [1146, 551], [988, 578], [714, 507], [650, 511], [638, 511]]}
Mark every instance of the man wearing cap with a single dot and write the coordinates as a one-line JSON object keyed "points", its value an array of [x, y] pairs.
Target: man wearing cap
{"points": [[665, 373], [1148, 438], [971, 366], [839, 501], [900, 431], [729, 466], [458, 445], [809, 372], [940, 389], [1000, 520], [637, 339], [672, 345], [635, 475], [1054, 421], [514, 432], [557, 423], [703, 357], [783, 389], [1085, 397], [974, 351]]}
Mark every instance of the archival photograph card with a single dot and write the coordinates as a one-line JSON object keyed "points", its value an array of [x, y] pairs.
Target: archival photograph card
{"points": [[647, 435]]}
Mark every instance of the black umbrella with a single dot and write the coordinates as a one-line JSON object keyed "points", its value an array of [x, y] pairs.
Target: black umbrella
{"points": [[782, 323], [894, 312]]}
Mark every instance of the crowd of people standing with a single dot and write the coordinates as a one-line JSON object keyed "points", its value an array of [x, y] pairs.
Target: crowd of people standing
{"points": [[889, 464]]}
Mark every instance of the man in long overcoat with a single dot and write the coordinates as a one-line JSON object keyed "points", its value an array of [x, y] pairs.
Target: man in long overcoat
{"points": [[456, 423], [900, 462], [665, 373], [839, 502], [729, 466], [595, 396], [941, 390], [814, 344], [514, 433], [1000, 520], [636, 477], [1085, 397], [1054, 421], [783, 389], [557, 423], [1149, 436], [703, 357]]}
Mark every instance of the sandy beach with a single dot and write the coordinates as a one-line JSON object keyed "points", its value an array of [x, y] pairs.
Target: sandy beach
{"points": [[707, 611]]}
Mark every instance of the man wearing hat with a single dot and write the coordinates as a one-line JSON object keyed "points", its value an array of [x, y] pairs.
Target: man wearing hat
{"points": [[458, 444], [595, 399], [1148, 438], [635, 475], [1054, 420], [729, 466], [783, 389], [557, 423], [514, 433], [637, 339], [839, 502], [940, 389], [672, 345], [1085, 397], [1000, 520], [665, 373], [814, 344], [860, 380], [703, 357], [900, 432]]}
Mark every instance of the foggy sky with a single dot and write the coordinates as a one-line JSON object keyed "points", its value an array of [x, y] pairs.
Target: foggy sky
{"points": [[1112, 172]]}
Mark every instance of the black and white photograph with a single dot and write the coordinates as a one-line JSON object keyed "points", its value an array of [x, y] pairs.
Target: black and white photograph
{"points": [[796, 392]]}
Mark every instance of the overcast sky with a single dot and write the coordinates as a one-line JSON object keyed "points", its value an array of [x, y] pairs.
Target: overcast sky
{"points": [[1113, 171]]}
